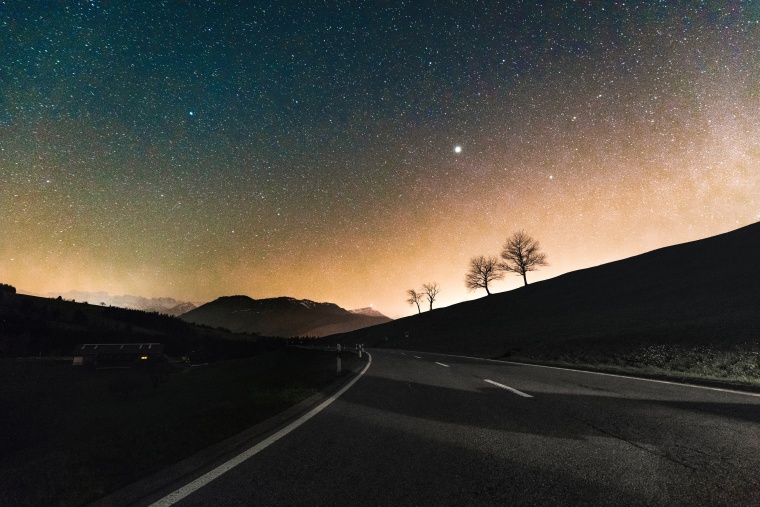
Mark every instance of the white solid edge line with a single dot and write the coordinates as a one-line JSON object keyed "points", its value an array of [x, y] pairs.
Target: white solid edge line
{"points": [[630, 377], [204, 479], [446, 365], [417, 357], [512, 389]]}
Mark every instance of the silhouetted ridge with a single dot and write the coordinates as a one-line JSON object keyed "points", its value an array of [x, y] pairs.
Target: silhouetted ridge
{"points": [[280, 316]]}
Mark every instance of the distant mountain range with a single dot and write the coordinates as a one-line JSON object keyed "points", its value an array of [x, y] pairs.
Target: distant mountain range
{"points": [[283, 316], [168, 306]]}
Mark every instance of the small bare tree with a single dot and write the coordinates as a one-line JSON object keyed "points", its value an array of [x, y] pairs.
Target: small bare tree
{"points": [[522, 254], [430, 291], [482, 271], [414, 298]]}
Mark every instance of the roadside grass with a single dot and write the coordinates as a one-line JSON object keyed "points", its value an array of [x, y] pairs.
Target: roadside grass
{"points": [[730, 363], [71, 435], [691, 340]]}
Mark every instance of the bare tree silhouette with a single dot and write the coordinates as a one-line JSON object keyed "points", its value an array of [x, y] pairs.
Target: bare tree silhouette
{"points": [[414, 298], [521, 254], [482, 271], [430, 291]]}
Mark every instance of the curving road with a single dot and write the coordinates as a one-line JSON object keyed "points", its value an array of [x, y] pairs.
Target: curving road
{"points": [[428, 429]]}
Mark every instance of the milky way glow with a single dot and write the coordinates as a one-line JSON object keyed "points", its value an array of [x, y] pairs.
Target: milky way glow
{"points": [[201, 149]]}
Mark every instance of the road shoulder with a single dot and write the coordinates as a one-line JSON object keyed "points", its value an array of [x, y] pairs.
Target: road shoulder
{"points": [[157, 485]]}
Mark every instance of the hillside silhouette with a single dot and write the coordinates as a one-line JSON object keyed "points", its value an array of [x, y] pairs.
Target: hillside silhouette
{"points": [[35, 326], [702, 293]]}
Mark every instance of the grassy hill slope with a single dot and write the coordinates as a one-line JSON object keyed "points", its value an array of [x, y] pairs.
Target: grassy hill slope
{"points": [[684, 303]]}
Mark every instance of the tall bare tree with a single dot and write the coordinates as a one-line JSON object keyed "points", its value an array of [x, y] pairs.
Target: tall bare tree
{"points": [[482, 271], [414, 298], [521, 254], [430, 291]]}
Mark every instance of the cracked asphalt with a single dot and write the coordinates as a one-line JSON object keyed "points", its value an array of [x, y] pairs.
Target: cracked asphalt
{"points": [[429, 430]]}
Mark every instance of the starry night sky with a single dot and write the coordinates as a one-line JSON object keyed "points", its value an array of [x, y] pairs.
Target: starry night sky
{"points": [[195, 149]]}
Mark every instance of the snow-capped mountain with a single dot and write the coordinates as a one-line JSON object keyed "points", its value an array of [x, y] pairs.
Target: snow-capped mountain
{"points": [[369, 311], [168, 306]]}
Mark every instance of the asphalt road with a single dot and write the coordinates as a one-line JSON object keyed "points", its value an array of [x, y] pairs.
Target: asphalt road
{"points": [[412, 431]]}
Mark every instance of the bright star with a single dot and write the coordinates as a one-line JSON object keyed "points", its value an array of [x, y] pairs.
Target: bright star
{"points": [[457, 149]]}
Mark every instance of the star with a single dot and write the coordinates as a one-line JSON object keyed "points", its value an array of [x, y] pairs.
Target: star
{"points": [[339, 146]]}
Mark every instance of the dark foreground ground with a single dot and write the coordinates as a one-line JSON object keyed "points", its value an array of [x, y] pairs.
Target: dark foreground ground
{"points": [[70, 435]]}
